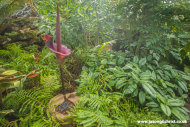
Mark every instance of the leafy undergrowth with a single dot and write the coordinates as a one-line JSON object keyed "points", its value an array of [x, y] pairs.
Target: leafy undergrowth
{"points": [[115, 90], [26, 61], [27, 105], [161, 88], [147, 78], [111, 110]]}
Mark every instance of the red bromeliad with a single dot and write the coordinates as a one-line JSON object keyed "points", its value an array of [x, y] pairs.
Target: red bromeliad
{"points": [[60, 50]]}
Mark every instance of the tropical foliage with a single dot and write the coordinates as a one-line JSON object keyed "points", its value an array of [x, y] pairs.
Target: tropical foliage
{"points": [[130, 62], [161, 87]]}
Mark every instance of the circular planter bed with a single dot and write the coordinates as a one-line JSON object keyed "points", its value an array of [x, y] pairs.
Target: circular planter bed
{"points": [[58, 107]]}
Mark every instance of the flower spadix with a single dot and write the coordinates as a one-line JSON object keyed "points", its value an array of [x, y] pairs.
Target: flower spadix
{"points": [[60, 50]]}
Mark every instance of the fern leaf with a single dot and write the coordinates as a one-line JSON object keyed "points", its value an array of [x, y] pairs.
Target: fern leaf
{"points": [[90, 118]]}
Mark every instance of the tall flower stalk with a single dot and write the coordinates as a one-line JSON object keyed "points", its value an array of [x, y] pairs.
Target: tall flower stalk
{"points": [[60, 50]]}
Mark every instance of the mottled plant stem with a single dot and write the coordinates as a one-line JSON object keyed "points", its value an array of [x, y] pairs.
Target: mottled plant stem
{"points": [[62, 80], [1, 96]]}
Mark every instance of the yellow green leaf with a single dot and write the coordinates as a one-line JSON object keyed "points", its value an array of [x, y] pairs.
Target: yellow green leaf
{"points": [[10, 72]]}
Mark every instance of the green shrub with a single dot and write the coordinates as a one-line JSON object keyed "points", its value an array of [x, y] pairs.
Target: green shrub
{"points": [[83, 22], [18, 59], [31, 106], [160, 87], [111, 110]]}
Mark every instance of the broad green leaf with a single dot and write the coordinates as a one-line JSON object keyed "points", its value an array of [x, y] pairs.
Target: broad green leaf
{"points": [[130, 89], [135, 76], [175, 102], [170, 84], [153, 75], [121, 60], [180, 91], [135, 59], [178, 114], [148, 43], [184, 96], [91, 64], [155, 110], [170, 90], [174, 73], [10, 72], [104, 61], [128, 66], [149, 89], [168, 74], [161, 91], [149, 58], [184, 112], [147, 72], [142, 61], [120, 83], [150, 67], [6, 111], [160, 72], [167, 67], [183, 85], [144, 76], [142, 96], [156, 56], [185, 109], [165, 109], [15, 84], [135, 93], [155, 62], [152, 104], [186, 77], [164, 84], [161, 98]]}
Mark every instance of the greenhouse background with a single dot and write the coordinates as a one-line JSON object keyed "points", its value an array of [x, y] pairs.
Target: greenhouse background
{"points": [[94, 63]]}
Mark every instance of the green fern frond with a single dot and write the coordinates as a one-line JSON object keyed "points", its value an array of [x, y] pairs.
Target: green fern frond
{"points": [[32, 105], [96, 110], [88, 84], [34, 99], [30, 100], [4, 53], [90, 118], [96, 102], [13, 52], [112, 110], [50, 82], [10, 101], [3, 122]]}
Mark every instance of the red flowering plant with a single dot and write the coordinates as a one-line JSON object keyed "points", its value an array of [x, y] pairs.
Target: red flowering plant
{"points": [[36, 59], [60, 50], [10, 79]]}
